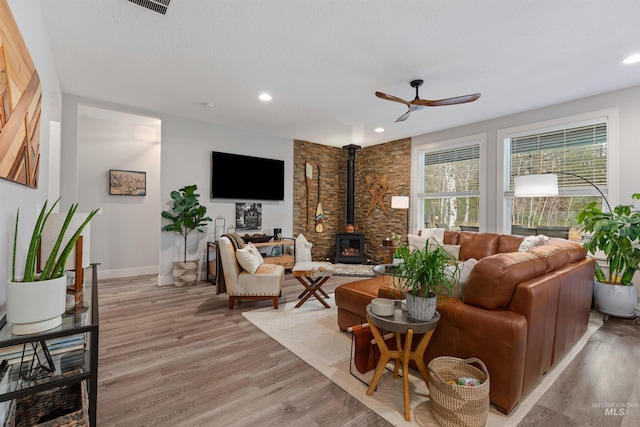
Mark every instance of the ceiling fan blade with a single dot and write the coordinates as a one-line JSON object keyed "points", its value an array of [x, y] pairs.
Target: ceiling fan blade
{"points": [[392, 98], [403, 117], [448, 101], [406, 115]]}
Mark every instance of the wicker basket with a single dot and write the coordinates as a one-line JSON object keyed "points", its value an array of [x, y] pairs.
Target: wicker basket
{"points": [[63, 406], [453, 404]]}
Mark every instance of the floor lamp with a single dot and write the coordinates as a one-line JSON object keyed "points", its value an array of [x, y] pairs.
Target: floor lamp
{"points": [[401, 202], [545, 185]]}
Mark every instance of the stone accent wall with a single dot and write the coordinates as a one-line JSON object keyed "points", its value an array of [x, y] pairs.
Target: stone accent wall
{"points": [[391, 158], [332, 162]]}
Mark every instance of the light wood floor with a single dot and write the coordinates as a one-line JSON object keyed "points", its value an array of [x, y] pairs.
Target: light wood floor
{"points": [[179, 357]]}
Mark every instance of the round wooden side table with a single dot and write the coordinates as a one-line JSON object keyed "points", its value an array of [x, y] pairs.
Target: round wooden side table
{"points": [[400, 324]]}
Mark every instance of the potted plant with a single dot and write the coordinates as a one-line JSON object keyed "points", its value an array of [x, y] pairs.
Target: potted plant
{"points": [[425, 274], [188, 215], [615, 234], [36, 301]]}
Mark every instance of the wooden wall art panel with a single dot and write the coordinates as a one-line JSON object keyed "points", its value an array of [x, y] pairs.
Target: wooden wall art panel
{"points": [[20, 105]]}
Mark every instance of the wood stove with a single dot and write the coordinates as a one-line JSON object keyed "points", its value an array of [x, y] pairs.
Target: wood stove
{"points": [[350, 248]]}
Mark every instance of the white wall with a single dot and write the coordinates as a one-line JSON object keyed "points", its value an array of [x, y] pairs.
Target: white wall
{"points": [[124, 237], [185, 149], [28, 15], [186, 159]]}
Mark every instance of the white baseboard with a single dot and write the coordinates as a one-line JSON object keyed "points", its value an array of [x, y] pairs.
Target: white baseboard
{"points": [[127, 272]]}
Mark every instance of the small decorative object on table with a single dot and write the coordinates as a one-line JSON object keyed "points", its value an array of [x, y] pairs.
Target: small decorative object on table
{"points": [[395, 238]]}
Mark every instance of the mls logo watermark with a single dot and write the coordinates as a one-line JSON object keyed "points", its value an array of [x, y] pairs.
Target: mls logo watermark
{"points": [[615, 409]]}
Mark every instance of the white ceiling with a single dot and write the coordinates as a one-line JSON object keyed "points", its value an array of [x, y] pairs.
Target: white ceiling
{"points": [[322, 61]]}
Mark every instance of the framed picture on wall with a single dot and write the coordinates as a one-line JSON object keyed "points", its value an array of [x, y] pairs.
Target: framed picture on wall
{"points": [[127, 183], [248, 216]]}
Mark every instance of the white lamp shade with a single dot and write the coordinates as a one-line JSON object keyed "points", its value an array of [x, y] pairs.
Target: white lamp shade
{"points": [[542, 185], [399, 202]]}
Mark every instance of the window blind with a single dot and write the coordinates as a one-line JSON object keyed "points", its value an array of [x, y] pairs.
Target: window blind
{"points": [[579, 150], [454, 171]]}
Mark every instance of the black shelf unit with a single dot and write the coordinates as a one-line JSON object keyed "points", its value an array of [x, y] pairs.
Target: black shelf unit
{"points": [[79, 318]]}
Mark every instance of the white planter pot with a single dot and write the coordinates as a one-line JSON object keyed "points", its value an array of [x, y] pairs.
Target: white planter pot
{"points": [[421, 309], [615, 300], [185, 273], [34, 307]]}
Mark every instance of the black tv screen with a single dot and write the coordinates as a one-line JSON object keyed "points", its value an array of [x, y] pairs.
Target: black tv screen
{"points": [[234, 176]]}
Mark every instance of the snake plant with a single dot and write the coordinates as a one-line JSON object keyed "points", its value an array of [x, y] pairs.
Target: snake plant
{"points": [[54, 266]]}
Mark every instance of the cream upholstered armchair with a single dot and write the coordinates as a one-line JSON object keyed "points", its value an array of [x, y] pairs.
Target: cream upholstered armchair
{"points": [[264, 283]]}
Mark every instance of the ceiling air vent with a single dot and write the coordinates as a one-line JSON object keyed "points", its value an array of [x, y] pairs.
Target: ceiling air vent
{"points": [[159, 6]]}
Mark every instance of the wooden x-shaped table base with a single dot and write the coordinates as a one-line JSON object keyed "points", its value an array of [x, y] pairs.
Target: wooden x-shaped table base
{"points": [[312, 287]]}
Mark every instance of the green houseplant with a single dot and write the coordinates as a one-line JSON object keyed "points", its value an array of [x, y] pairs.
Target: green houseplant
{"points": [[425, 273], [615, 234], [188, 215], [36, 301]]}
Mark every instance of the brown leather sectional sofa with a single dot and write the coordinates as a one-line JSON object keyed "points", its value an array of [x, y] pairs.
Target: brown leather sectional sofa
{"points": [[519, 311]]}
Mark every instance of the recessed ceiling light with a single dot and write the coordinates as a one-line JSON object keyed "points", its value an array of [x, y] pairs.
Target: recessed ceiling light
{"points": [[207, 104], [379, 130], [265, 97], [632, 59]]}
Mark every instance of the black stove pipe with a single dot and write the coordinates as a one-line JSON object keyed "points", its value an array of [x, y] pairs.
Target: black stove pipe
{"points": [[351, 160]]}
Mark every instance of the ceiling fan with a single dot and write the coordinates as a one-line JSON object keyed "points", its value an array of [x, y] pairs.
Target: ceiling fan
{"points": [[419, 104]]}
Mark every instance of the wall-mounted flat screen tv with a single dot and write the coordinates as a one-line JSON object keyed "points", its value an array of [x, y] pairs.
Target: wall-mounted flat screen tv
{"points": [[235, 176]]}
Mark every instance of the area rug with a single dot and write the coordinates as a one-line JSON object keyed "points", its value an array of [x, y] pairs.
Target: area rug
{"points": [[355, 270], [327, 349]]}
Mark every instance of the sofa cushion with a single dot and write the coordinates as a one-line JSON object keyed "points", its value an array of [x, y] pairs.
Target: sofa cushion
{"points": [[451, 237], [555, 256], [354, 296], [575, 251], [509, 243], [493, 279], [477, 245]]}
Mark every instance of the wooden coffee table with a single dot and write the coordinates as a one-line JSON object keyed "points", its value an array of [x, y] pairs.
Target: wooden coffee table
{"points": [[400, 324]]}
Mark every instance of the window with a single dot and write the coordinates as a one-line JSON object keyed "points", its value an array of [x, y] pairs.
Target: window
{"points": [[574, 148], [449, 185]]}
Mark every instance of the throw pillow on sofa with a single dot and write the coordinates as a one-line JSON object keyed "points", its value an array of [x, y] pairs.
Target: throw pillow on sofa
{"points": [[465, 269], [419, 242], [435, 233], [416, 242], [249, 258], [531, 242]]}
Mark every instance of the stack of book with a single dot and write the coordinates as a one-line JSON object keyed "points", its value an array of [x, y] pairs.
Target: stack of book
{"points": [[15, 353]]}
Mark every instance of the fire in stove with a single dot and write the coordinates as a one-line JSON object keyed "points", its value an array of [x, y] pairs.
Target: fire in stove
{"points": [[350, 248]]}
